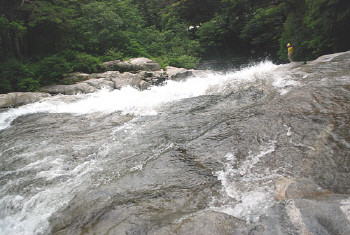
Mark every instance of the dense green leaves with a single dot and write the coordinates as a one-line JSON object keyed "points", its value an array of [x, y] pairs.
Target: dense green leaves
{"points": [[41, 40], [328, 20], [15, 76], [264, 28]]}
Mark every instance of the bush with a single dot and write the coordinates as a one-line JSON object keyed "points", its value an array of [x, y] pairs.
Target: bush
{"points": [[29, 84], [51, 70], [163, 61], [112, 54], [85, 63], [185, 61], [182, 61], [17, 76]]}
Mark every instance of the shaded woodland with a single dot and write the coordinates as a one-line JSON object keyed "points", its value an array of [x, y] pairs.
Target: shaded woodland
{"points": [[42, 41]]}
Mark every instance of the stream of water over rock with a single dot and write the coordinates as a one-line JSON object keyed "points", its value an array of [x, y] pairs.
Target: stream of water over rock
{"points": [[262, 150]]}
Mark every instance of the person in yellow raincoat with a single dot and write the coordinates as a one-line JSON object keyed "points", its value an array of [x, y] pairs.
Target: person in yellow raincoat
{"points": [[290, 52]]}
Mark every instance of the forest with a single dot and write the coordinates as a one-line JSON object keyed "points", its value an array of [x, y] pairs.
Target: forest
{"points": [[43, 41]]}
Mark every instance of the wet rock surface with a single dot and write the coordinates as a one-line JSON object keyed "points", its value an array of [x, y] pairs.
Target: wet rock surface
{"points": [[21, 98], [263, 158], [140, 73], [133, 64]]}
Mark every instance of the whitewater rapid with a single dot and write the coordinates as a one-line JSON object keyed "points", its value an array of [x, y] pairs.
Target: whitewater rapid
{"points": [[129, 100], [72, 156]]}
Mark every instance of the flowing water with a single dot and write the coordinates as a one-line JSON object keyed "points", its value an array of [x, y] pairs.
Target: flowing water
{"points": [[132, 162]]}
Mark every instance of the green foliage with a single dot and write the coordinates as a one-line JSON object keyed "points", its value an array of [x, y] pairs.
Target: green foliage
{"points": [[212, 35], [296, 33], [58, 37], [17, 76], [134, 49], [180, 61], [98, 25], [264, 28], [112, 54], [85, 63], [185, 61], [29, 84], [154, 41], [51, 70], [315, 27], [327, 20], [192, 12]]}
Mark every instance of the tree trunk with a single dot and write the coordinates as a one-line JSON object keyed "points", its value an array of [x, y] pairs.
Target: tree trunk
{"points": [[5, 43], [9, 7], [15, 43]]}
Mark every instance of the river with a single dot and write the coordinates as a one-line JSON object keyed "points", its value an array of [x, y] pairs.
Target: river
{"points": [[202, 156]]}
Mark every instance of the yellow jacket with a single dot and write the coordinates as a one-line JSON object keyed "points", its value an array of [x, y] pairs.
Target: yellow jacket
{"points": [[290, 50]]}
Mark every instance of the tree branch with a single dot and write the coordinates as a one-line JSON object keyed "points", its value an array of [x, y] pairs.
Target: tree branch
{"points": [[32, 2]]}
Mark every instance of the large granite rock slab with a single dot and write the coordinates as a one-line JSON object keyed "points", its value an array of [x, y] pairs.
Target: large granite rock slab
{"points": [[133, 64], [21, 98], [79, 88]]}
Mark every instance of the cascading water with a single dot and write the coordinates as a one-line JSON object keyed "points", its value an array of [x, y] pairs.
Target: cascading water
{"points": [[164, 160]]}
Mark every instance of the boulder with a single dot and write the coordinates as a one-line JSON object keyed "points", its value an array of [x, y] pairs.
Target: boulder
{"points": [[178, 74], [113, 65], [133, 64], [149, 74], [143, 63], [154, 77], [100, 83], [144, 85], [80, 88], [21, 98], [76, 77], [127, 79], [109, 75]]}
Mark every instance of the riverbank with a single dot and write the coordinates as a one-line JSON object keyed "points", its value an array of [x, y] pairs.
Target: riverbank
{"points": [[140, 73]]}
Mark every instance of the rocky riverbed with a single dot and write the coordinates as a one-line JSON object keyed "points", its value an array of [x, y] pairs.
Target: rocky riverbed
{"points": [[140, 73], [263, 150]]}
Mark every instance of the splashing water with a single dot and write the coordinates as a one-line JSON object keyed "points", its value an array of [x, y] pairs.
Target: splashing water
{"points": [[53, 176], [131, 101], [246, 187]]}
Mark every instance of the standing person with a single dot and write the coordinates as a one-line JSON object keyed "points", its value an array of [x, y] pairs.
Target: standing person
{"points": [[290, 52]]}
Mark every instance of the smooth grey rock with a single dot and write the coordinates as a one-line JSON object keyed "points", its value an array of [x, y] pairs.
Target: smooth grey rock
{"points": [[144, 85], [133, 64], [177, 74], [109, 75], [143, 63], [150, 74], [321, 216], [21, 98], [100, 83], [80, 88], [127, 79], [211, 222], [76, 77]]}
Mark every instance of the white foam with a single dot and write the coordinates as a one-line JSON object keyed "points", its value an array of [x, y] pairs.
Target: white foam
{"points": [[132, 101], [247, 193], [32, 213]]}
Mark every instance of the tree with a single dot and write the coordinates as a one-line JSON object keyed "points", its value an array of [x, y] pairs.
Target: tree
{"points": [[264, 28], [211, 35], [33, 27], [328, 20], [10, 29]]}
